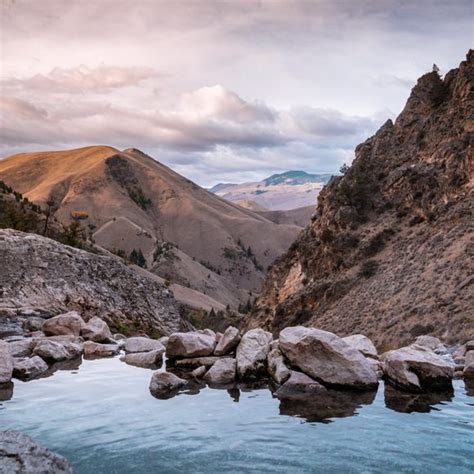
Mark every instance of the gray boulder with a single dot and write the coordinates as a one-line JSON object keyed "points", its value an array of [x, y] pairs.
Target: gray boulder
{"points": [[29, 368], [222, 372], [22, 347], [146, 360], [19, 454], [69, 323], [363, 344], [277, 368], [327, 358], [95, 349], [417, 369], [142, 344], [6, 363], [191, 344], [252, 352], [97, 330], [56, 350], [165, 384], [228, 341]]}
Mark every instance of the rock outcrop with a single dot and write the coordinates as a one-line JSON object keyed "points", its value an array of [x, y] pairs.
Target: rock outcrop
{"points": [[41, 277], [388, 251]]}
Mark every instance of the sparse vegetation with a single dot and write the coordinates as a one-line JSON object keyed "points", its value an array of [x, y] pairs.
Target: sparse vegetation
{"points": [[369, 268], [137, 258]]}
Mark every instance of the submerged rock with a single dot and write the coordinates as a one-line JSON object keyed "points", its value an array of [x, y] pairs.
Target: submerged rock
{"points": [[146, 360], [29, 368], [69, 323], [228, 341], [252, 352], [165, 385], [97, 330], [20, 454], [191, 344], [327, 358], [142, 344], [95, 349], [417, 369], [222, 372], [363, 344], [6, 363]]}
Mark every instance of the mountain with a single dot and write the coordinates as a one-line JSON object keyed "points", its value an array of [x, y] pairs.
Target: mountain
{"points": [[389, 251], [279, 192], [131, 204]]}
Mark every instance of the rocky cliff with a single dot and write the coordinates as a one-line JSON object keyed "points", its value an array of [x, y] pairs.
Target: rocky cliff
{"points": [[389, 251], [41, 277]]}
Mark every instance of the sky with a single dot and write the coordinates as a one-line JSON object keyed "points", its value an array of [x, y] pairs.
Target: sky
{"points": [[220, 91]]}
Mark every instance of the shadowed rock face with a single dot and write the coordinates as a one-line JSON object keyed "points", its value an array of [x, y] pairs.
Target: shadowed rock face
{"points": [[43, 277], [387, 254]]}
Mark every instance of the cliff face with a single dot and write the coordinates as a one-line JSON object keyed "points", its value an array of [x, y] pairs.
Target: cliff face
{"points": [[390, 250], [42, 277]]}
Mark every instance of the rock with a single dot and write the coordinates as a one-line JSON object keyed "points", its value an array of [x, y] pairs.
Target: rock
{"points": [[191, 344], [327, 358], [118, 337], [164, 340], [468, 371], [228, 342], [298, 385], [97, 330], [142, 344], [417, 369], [20, 454], [22, 348], [55, 351], [95, 349], [165, 384], [6, 363], [146, 360], [33, 323], [363, 344], [192, 363], [459, 353], [277, 368], [222, 372], [377, 365], [432, 343], [252, 352], [28, 369], [69, 323], [199, 372], [469, 346]]}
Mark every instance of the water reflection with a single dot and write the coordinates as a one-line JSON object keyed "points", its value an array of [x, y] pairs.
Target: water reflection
{"points": [[323, 406], [406, 402], [469, 385], [6, 391]]}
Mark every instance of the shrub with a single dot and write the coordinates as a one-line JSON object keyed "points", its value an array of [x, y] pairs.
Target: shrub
{"points": [[369, 268]]}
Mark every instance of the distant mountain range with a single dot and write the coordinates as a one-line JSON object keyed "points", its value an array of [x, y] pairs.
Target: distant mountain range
{"points": [[279, 192]]}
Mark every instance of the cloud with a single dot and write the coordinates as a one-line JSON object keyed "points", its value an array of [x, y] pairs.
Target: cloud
{"points": [[21, 109], [81, 79]]}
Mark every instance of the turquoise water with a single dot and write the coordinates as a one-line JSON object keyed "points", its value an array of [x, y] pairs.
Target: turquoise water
{"points": [[104, 420]]}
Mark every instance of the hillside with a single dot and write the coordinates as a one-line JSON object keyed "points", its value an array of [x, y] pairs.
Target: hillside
{"points": [[126, 201], [279, 192], [389, 252]]}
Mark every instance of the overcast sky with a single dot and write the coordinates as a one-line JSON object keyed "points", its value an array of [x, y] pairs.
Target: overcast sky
{"points": [[218, 90]]}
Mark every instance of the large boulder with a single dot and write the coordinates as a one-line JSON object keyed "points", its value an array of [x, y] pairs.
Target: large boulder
{"points": [[417, 369], [191, 344], [363, 344], [277, 368], [97, 330], [94, 349], [327, 358], [20, 454], [69, 323], [468, 371], [56, 350], [146, 360], [29, 368], [222, 372], [252, 352], [142, 344], [228, 341], [22, 347], [432, 343], [165, 384], [6, 363]]}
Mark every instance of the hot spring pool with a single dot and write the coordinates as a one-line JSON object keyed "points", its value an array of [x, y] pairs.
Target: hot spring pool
{"points": [[104, 420]]}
